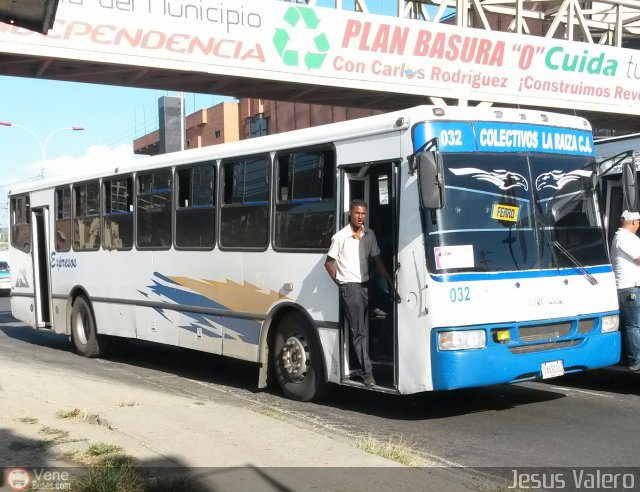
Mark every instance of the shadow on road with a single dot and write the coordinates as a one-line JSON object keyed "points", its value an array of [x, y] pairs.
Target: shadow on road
{"points": [[437, 405], [233, 373], [613, 379], [183, 363], [34, 337]]}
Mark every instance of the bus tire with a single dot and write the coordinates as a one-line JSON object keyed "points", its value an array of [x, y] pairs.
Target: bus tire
{"points": [[297, 360], [84, 335]]}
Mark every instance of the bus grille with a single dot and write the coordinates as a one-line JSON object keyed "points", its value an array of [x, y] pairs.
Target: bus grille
{"points": [[544, 332], [539, 347], [586, 325]]}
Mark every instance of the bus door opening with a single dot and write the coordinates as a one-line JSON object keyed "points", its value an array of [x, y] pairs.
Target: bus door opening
{"points": [[375, 184], [40, 221], [613, 205]]}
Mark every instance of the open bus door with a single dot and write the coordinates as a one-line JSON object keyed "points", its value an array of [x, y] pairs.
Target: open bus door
{"points": [[619, 189], [376, 184], [41, 268]]}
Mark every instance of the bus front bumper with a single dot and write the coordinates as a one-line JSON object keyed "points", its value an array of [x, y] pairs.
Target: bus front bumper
{"points": [[497, 363]]}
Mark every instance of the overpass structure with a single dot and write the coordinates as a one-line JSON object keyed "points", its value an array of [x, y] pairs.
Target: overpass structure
{"points": [[565, 55]]}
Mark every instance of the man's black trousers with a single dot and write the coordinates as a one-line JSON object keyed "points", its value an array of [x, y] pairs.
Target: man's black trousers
{"points": [[355, 302]]}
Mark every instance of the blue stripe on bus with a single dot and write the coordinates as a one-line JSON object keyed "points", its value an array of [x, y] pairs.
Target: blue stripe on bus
{"points": [[151, 192], [304, 200], [471, 277]]}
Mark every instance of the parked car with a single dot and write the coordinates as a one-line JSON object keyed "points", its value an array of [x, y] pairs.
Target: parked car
{"points": [[5, 278]]}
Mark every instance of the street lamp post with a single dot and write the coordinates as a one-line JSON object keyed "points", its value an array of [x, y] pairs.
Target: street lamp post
{"points": [[41, 145]]}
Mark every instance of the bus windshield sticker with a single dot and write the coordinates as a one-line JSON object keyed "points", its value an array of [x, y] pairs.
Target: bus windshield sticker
{"points": [[454, 257], [504, 212], [494, 136]]}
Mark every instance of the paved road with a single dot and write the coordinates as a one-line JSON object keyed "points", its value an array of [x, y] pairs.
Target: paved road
{"points": [[586, 420]]}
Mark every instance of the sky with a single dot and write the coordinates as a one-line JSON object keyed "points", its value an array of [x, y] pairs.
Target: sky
{"points": [[41, 113]]}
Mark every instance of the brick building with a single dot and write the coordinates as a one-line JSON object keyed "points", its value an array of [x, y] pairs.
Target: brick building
{"points": [[248, 118]]}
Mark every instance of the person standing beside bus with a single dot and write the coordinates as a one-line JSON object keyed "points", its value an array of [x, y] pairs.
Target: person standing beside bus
{"points": [[625, 258], [348, 266]]}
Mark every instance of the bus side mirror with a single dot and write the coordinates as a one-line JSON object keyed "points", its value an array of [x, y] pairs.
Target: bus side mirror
{"points": [[630, 186], [430, 180]]}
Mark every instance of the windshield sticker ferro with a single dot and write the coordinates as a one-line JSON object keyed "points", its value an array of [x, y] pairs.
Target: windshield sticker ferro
{"points": [[558, 179], [503, 179], [504, 212]]}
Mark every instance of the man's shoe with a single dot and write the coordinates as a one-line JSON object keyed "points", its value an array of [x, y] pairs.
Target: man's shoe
{"points": [[377, 313], [634, 367], [369, 382]]}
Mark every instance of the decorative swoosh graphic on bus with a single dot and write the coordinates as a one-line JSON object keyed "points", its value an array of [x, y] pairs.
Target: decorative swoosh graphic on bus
{"points": [[503, 179], [558, 179], [227, 296], [234, 296]]}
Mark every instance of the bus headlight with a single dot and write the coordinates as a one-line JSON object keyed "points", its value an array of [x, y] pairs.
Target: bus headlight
{"points": [[610, 323], [462, 340]]}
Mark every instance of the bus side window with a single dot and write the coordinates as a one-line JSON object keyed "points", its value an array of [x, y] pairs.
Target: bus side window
{"points": [[305, 204], [118, 213], [20, 223], [195, 207], [153, 206], [244, 214], [63, 219], [86, 215]]}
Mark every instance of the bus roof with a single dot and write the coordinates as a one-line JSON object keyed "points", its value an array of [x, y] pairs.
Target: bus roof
{"points": [[334, 132], [609, 146]]}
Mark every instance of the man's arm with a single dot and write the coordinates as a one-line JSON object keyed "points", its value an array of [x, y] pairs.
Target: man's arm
{"points": [[382, 270], [330, 266], [632, 249]]}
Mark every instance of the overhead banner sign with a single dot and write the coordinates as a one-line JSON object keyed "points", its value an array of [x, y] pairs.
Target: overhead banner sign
{"points": [[267, 39]]}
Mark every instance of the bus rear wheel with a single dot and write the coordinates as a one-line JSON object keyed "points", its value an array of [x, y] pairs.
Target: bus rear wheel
{"points": [[84, 335], [297, 360]]}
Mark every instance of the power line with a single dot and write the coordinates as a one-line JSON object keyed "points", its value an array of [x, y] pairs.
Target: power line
{"points": [[32, 178], [128, 134]]}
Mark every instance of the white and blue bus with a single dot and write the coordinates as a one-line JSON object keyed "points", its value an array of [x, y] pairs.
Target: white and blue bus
{"points": [[486, 217]]}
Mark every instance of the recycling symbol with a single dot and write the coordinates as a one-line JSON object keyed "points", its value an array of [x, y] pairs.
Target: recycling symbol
{"points": [[301, 17]]}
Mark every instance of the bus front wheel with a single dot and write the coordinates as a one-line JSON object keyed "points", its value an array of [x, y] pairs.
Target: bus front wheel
{"points": [[297, 360], [84, 335]]}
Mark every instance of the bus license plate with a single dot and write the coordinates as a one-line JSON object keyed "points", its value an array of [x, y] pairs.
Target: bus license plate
{"points": [[552, 369]]}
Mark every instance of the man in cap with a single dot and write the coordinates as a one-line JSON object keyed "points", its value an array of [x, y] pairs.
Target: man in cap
{"points": [[625, 259]]}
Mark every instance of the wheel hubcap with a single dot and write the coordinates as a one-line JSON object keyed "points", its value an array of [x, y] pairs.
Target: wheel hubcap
{"points": [[294, 357]]}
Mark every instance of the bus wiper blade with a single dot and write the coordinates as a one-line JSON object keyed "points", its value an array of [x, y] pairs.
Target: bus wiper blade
{"points": [[548, 240], [592, 280]]}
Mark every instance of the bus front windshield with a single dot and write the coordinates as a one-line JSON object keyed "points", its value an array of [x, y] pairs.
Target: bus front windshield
{"points": [[507, 212]]}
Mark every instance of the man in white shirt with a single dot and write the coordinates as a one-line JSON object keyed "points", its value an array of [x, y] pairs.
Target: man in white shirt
{"points": [[348, 266], [625, 259]]}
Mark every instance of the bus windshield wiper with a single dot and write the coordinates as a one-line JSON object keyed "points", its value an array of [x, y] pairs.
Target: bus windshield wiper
{"points": [[592, 280], [545, 233], [556, 245]]}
